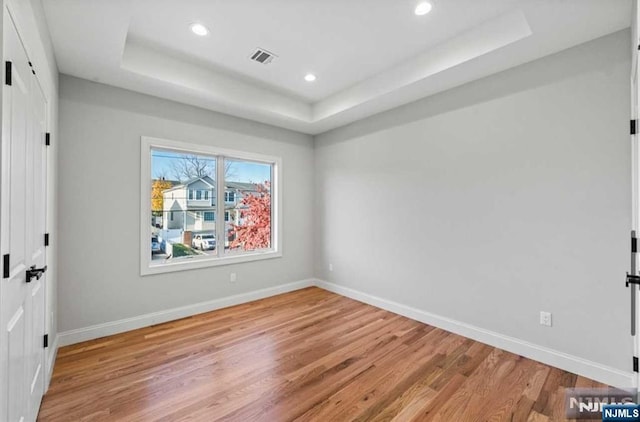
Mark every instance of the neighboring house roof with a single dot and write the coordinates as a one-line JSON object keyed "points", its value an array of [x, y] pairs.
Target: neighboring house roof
{"points": [[242, 186], [206, 179], [173, 188]]}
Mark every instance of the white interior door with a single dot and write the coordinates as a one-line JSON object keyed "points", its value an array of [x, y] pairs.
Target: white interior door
{"points": [[22, 220]]}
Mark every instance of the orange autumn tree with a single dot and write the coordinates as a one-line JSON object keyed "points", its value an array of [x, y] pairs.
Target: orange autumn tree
{"points": [[255, 231], [157, 188]]}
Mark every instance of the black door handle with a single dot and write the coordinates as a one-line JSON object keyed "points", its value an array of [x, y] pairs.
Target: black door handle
{"points": [[36, 273]]}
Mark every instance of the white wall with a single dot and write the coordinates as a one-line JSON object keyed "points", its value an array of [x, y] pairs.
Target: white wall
{"points": [[493, 201], [100, 130]]}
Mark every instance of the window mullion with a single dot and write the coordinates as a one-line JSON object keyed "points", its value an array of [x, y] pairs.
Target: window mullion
{"points": [[220, 225]]}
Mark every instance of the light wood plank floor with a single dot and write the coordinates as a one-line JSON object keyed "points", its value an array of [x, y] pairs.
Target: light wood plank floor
{"points": [[309, 355]]}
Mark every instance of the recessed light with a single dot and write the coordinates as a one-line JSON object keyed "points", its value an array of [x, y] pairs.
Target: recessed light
{"points": [[423, 8], [309, 77], [199, 29]]}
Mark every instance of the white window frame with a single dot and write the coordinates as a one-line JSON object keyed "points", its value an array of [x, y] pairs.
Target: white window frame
{"points": [[147, 267]]}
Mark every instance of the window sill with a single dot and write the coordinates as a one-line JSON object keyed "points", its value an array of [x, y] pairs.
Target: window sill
{"points": [[185, 265]]}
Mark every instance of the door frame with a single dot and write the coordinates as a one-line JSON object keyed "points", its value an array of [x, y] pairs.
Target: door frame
{"points": [[12, 11], [635, 179], [36, 53]]}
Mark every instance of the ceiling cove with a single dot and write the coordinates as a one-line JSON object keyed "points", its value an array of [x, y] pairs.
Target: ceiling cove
{"points": [[313, 66]]}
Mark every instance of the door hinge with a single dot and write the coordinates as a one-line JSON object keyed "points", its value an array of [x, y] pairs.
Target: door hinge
{"points": [[46, 340], [6, 268], [47, 139], [46, 239], [632, 126], [7, 72]]}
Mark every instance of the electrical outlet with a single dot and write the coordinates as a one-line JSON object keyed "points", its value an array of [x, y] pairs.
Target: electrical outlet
{"points": [[330, 267], [545, 318], [233, 278]]}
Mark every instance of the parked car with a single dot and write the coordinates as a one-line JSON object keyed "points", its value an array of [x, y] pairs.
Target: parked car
{"points": [[155, 245], [204, 241]]}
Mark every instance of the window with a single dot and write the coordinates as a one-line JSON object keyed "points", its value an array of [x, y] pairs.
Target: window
{"points": [[173, 171], [198, 194]]}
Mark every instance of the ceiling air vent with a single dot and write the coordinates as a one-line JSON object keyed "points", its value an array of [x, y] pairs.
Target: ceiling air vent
{"points": [[262, 56]]}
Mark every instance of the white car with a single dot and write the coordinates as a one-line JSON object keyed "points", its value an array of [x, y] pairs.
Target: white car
{"points": [[204, 241]]}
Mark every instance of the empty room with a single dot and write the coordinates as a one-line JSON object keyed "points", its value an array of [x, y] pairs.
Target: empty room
{"points": [[295, 210]]}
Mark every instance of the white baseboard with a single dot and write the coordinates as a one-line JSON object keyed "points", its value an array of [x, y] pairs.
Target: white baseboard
{"points": [[574, 364], [115, 327]]}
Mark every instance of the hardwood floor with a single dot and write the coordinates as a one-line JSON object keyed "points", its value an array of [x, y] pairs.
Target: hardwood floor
{"points": [[309, 355]]}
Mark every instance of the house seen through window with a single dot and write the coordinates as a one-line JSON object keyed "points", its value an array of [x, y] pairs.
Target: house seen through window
{"points": [[185, 206]]}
